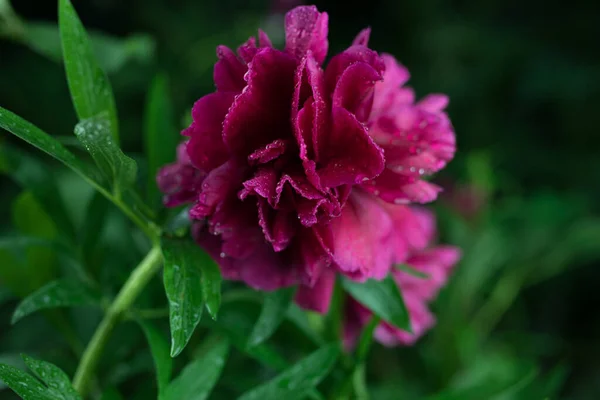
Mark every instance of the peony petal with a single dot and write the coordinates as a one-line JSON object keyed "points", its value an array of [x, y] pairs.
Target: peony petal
{"points": [[205, 148], [362, 39], [261, 113], [263, 39], [401, 189], [263, 184], [362, 238], [351, 155], [306, 30], [268, 153], [219, 184], [434, 103], [352, 55], [248, 50], [354, 89], [229, 71], [278, 226], [318, 297]]}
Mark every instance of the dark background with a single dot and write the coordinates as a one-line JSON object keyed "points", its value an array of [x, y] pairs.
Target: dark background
{"points": [[523, 193]]}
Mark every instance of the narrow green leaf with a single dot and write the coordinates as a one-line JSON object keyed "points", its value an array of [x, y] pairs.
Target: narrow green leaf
{"points": [[383, 298], [298, 380], [111, 52], [88, 84], [299, 318], [23, 384], [411, 271], [160, 135], [55, 294], [366, 339], [211, 283], [33, 175], [160, 353], [40, 139], [182, 279], [59, 384], [94, 134], [272, 314], [199, 378]]}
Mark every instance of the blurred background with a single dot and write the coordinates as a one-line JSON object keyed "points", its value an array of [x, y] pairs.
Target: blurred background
{"points": [[522, 199]]}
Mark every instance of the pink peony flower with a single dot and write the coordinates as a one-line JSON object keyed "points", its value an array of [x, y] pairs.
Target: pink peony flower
{"points": [[418, 227], [305, 164]]}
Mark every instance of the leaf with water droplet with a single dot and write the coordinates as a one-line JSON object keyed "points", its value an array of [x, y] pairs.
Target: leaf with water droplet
{"points": [[55, 294], [88, 84], [159, 348], [94, 134], [198, 378], [40, 139], [300, 379], [59, 384], [272, 314], [383, 298], [183, 286], [23, 384]]}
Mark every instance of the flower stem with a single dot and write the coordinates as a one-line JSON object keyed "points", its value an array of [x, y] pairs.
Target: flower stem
{"points": [[138, 279]]}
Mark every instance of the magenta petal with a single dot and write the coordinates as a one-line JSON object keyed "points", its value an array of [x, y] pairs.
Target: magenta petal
{"points": [[363, 238], [342, 61], [220, 183], [247, 51], [268, 153], [263, 39], [205, 147], [354, 89], [261, 112], [352, 156], [318, 297], [180, 181], [263, 184], [433, 103], [278, 226], [306, 30], [229, 71], [362, 39], [400, 189]]}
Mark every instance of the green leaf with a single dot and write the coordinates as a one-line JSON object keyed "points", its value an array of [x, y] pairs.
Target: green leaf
{"points": [[94, 134], [88, 84], [211, 283], [34, 176], [200, 376], [383, 298], [298, 380], [182, 279], [60, 293], [59, 384], [272, 314], [411, 271], [39, 264], [111, 52], [160, 353], [366, 339], [40, 139], [5, 295], [160, 135], [24, 384]]}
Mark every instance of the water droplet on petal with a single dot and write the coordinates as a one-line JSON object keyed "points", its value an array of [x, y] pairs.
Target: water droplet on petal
{"points": [[223, 255]]}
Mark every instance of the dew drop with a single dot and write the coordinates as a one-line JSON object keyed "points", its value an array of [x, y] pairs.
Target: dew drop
{"points": [[223, 255], [398, 201], [421, 171], [412, 169]]}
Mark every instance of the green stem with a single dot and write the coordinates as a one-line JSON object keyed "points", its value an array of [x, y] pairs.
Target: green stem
{"points": [[138, 279]]}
